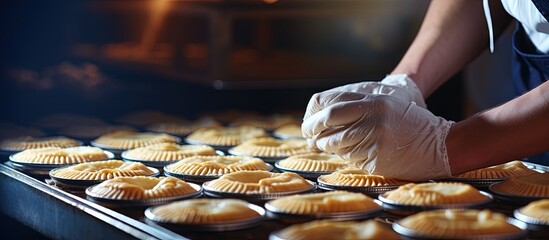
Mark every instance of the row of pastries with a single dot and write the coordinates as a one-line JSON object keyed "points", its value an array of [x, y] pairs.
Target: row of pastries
{"points": [[246, 171]]}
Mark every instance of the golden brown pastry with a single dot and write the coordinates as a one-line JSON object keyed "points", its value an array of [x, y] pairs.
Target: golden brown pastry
{"points": [[23, 143], [534, 185], [225, 136], [183, 128], [272, 148], [216, 165], [323, 229], [537, 210], [459, 224], [91, 131], [313, 162], [204, 211], [502, 171], [440, 193], [135, 188], [129, 140], [288, 131], [326, 202], [102, 170], [354, 177], [259, 182], [168, 152], [264, 122], [57, 155]]}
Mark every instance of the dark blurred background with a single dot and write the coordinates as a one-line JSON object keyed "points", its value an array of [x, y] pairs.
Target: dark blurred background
{"points": [[108, 58]]}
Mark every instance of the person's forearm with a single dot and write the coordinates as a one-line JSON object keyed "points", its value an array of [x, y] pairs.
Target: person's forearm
{"points": [[514, 130], [453, 33]]}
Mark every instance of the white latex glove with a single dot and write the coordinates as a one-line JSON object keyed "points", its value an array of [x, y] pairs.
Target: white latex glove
{"points": [[382, 134], [397, 85]]}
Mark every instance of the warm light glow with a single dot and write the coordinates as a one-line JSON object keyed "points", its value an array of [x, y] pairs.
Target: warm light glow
{"points": [[158, 13], [270, 1]]}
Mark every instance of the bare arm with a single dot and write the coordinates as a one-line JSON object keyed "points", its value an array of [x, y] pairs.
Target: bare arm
{"points": [[453, 33], [516, 129]]}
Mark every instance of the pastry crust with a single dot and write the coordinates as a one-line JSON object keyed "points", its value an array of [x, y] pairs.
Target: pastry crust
{"points": [[533, 185], [502, 171], [57, 155], [23, 143], [140, 187], [288, 131], [432, 194], [130, 140], [225, 136], [204, 211], [183, 128], [264, 122], [272, 148], [313, 162], [326, 202], [458, 224], [259, 182], [538, 210], [168, 152], [216, 165], [102, 170], [353, 177], [324, 229]]}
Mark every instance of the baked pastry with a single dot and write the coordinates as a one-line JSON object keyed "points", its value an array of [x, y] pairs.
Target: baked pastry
{"points": [[538, 211], [183, 128], [57, 155], [259, 182], [230, 115], [502, 171], [102, 170], [140, 187], [534, 186], [129, 139], [9, 130], [326, 202], [80, 131], [216, 165], [204, 211], [224, 136], [268, 147], [313, 162], [459, 224], [22, 143], [324, 229], [354, 177], [265, 122], [288, 131], [433, 194], [168, 152]]}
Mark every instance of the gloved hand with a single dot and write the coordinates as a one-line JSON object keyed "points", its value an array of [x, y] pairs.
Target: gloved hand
{"points": [[382, 134], [397, 85]]}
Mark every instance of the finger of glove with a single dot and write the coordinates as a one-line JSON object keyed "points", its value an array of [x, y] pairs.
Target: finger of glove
{"points": [[339, 114], [361, 87], [320, 101], [351, 143]]}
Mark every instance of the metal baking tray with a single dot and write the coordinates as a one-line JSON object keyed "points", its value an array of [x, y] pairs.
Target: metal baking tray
{"points": [[199, 178], [157, 163], [532, 224], [253, 196], [475, 182], [87, 183], [407, 209], [275, 213], [271, 160], [406, 233], [41, 169], [370, 191], [215, 227], [509, 198], [311, 175], [141, 202]]}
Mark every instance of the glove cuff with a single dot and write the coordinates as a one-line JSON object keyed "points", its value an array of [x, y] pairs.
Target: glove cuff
{"points": [[445, 129]]}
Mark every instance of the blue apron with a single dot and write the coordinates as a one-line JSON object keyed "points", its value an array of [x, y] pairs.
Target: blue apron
{"points": [[530, 67]]}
